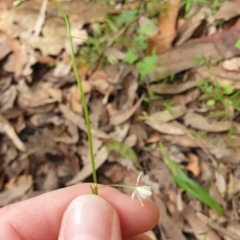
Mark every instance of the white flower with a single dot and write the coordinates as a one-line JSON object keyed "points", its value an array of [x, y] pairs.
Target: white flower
{"points": [[141, 192]]}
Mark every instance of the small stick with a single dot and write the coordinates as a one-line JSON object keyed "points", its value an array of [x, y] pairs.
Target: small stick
{"points": [[41, 18]]}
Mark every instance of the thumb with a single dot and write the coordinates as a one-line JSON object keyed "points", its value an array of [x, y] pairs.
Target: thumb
{"points": [[90, 217]]}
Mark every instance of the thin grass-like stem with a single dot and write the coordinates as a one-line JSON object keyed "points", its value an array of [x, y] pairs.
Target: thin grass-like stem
{"points": [[74, 64]]}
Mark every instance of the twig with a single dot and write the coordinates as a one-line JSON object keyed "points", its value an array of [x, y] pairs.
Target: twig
{"points": [[41, 18]]}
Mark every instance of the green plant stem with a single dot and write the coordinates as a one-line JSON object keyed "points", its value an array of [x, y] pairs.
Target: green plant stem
{"points": [[74, 64]]}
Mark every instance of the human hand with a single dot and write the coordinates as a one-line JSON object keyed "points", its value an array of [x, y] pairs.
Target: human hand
{"points": [[73, 213]]}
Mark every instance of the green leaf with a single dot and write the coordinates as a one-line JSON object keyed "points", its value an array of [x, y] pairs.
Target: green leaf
{"points": [[188, 184], [18, 3], [124, 150], [228, 90], [147, 65], [211, 102], [131, 57], [145, 29], [126, 17], [140, 40], [112, 26], [237, 44]]}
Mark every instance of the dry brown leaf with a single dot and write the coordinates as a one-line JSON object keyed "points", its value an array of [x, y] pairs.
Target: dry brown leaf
{"points": [[123, 116], [73, 117], [71, 137], [172, 128], [7, 98], [98, 75], [131, 140], [20, 54], [155, 137], [76, 105], [79, 121], [33, 97], [198, 227], [232, 64], [192, 23], [220, 175], [74, 96], [102, 86], [140, 131], [99, 134], [20, 124], [9, 196], [43, 149], [228, 10], [167, 28], [197, 121], [42, 119], [187, 97], [51, 43], [73, 161], [12, 113], [62, 68], [114, 172], [144, 21], [120, 132], [5, 82], [167, 115], [227, 155], [183, 140], [10, 153], [9, 65], [50, 182], [158, 120], [172, 230], [193, 164], [129, 84], [79, 37], [54, 93], [182, 58], [230, 155], [180, 23], [176, 154], [31, 60], [174, 89], [225, 231], [115, 53], [100, 158], [233, 186], [5, 46], [7, 128], [234, 230], [18, 181], [98, 114], [222, 76], [216, 195]]}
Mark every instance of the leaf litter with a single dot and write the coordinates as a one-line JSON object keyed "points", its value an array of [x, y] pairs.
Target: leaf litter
{"points": [[188, 101]]}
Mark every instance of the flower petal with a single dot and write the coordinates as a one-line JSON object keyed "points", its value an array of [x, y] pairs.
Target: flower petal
{"points": [[144, 191]]}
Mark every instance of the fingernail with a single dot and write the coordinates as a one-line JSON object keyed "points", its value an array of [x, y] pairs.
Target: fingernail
{"points": [[89, 217]]}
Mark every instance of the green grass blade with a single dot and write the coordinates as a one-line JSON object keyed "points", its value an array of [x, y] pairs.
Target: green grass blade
{"points": [[124, 150], [187, 184]]}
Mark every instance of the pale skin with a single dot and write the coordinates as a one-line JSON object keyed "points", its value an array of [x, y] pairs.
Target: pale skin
{"points": [[74, 213]]}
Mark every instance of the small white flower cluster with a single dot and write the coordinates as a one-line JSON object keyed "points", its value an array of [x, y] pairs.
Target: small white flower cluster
{"points": [[141, 192]]}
